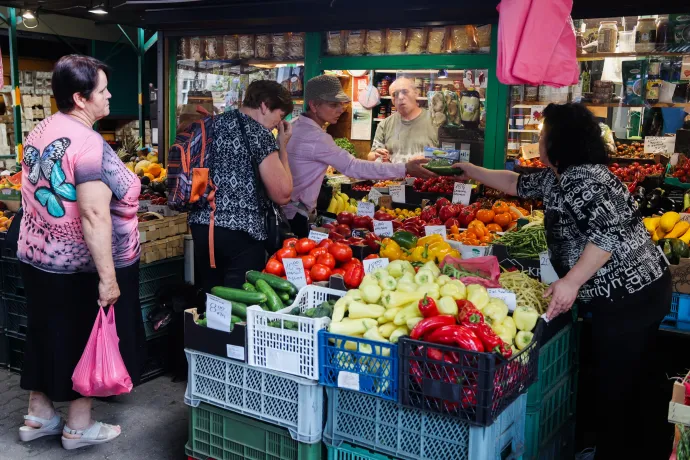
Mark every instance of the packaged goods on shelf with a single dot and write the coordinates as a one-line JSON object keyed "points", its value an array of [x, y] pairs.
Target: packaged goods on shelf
{"points": [[374, 42]]}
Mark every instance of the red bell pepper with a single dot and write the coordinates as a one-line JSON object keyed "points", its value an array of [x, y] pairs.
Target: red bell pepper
{"points": [[434, 354], [371, 256], [427, 307], [469, 397], [428, 325], [489, 339], [434, 221], [456, 335], [396, 224], [506, 351], [353, 276], [373, 241], [428, 213], [468, 313]]}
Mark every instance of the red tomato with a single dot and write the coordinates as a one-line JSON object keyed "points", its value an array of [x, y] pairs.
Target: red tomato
{"points": [[307, 275], [274, 267], [327, 259], [371, 256], [320, 272], [290, 243], [341, 252], [285, 253], [338, 271], [325, 243], [305, 245], [316, 252], [308, 261]]}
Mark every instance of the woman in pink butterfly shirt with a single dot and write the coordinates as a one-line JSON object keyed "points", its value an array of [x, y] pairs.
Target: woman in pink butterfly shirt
{"points": [[78, 249]]}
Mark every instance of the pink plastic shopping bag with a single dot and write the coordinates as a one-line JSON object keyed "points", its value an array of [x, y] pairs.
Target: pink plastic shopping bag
{"points": [[101, 371], [486, 270]]}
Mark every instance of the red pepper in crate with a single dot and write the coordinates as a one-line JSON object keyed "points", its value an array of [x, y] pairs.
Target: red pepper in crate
{"points": [[416, 372], [427, 307], [468, 313], [434, 353], [506, 351], [469, 397], [428, 325], [489, 339], [456, 335]]}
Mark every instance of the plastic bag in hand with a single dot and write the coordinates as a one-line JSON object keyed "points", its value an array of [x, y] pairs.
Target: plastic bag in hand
{"points": [[101, 371]]}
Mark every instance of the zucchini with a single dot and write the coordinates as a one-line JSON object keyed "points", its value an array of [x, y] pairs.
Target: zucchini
{"points": [[275, 282], [239, 309], [273, 301], [249, 287], [238, 295], [284, 296]]}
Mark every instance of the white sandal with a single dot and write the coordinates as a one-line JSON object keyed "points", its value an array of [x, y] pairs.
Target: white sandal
{"points": [[48, 427], [98, 433]]}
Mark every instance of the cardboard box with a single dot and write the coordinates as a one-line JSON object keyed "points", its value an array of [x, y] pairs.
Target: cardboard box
{"points": [[214, 342], [680, 275], [162, 249], [162, 228]]}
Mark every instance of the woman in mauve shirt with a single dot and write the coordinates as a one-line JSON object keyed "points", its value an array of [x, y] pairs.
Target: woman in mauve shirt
{"points": [[311, 150]]}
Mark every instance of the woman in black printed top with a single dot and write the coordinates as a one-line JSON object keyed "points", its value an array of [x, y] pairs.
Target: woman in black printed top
{"points": [[606, 260]]}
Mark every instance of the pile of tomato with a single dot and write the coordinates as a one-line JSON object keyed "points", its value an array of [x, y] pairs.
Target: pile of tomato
{"points": [[441, 184], [638, 172]]}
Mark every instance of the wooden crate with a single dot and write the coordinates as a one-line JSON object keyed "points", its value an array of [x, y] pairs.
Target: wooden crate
{"points": [[162, 249], [162, 228]]}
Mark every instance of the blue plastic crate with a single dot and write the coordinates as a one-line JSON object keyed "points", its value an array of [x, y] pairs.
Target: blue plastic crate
{"points": [[348, 452], [679, 316], [402, 432], [363, 365]]}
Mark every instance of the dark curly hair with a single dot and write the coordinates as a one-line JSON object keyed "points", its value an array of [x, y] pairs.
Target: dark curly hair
{"points": [[573, 137], [271, 93]]}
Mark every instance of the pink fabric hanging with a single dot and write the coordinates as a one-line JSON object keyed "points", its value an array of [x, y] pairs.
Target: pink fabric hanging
{"points": [[536, 43]]}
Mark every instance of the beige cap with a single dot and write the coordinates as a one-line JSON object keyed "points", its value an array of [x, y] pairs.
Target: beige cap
{"points": [[325, 88]]}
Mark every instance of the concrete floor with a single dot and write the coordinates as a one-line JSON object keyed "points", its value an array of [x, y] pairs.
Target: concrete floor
{"points": [[153, 419]]}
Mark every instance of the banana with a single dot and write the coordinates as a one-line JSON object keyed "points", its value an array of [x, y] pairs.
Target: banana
{"points": [[341, 204], [332, 205]]}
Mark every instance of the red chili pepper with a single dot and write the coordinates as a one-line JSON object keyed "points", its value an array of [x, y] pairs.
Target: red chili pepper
{"points": [[489, 339], [353, 276], [427, 307], [434, 354], [428, 325], [456, 335], [469, 397], [506, 351], [416, 372], [468, 313], [373, 241]]}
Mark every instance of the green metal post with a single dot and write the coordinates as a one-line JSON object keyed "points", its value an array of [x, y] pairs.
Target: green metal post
{"points": [[140, 84], [14, 74], [172, 88], [312, 56], [497, 100]]}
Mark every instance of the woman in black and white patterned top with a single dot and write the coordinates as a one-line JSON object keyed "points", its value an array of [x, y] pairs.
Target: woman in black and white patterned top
{"points": [[605, 259]]}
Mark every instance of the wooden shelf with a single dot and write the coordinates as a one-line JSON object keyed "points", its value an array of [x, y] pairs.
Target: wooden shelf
{"points": [[533, 131], [606, 104], [598, 56]]}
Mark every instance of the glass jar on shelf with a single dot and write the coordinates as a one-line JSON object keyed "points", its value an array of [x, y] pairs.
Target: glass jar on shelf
{"points": [[645, 34], [607, 37]]}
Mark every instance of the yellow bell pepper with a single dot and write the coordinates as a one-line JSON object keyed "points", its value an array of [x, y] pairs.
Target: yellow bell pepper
{"points": [[420, 254], [439, 250], [391, 250], [436, 238]]}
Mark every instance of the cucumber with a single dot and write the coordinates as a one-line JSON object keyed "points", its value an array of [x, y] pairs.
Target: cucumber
{"points": [[238, 295], [236, 319], [239, 309], [249, 287], [275, 282], [442, 170], [284, 296], [273, 301]]}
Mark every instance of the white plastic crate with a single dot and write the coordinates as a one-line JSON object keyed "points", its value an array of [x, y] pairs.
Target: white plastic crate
{"points": [[411, 434], [286, 350], [285, 400]]}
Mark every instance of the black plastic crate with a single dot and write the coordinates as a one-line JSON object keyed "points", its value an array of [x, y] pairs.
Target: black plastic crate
{"points": [[4, 349], [15, 353], [156, 275], [157, 359], [16, 317], [472, 386], [12, 283]]}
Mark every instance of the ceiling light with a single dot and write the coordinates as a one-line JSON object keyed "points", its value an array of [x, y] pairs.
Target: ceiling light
{"points": [[98, 10], [443, 73], [28, 14]]}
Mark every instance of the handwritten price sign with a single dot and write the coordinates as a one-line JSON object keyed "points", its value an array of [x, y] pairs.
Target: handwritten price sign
{"points": [[366, 209], [371, 265], [218, 313], [462, 193], [383, 228], [294, 272]]}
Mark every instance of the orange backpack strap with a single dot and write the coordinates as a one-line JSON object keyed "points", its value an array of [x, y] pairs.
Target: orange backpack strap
{"points": [[211, 224]]}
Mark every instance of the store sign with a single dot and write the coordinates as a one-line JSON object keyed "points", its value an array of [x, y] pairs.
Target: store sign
{"points": [[657, 144], [218, 313], [294, 272], [374, 195], [365, 208], [548, 274], [371, 265], [505, 295], [435, 230], [317, 236], [397, 193], [383, 228], [462, 193]]}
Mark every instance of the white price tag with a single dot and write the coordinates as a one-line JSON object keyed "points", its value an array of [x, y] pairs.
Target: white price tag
{"points": [[365, 208], [397, 193], [144, 205], [283, 361], [462, 193], [447, 145], [317, 236], [294, 272], [685, 216], [218, 313], [348, 380], [505, 295], [373, 264], [374, 195], [435, 230], [464, 153], [235, 352], [470, 252], [160, 209], [530, 151], [659, 144], [383, 228], [548, 274]]}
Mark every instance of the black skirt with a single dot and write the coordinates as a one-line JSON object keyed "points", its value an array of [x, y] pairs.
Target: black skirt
{"points": [[61, 312]]}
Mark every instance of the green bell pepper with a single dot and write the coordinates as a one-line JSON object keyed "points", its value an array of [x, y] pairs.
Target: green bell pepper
{"points": [[405, 239]]}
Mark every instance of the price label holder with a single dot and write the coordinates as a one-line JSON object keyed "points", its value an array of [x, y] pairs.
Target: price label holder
{"points": [[464, 153], [383, 228], [374, 195], [348, 380], [371, 265], [462, 193], [397, 193], [359, 232], [317, 236], [505, 295], [365, 208], [386, 201], [294, 272], [218, 313], [435, 230], [547, 272]]}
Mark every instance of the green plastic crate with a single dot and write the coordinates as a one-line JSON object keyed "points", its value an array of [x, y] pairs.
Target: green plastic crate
{"points": [[151, 333], [223, 435], [348, 452], [155, 275], [556, 358], [555, 412]]}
